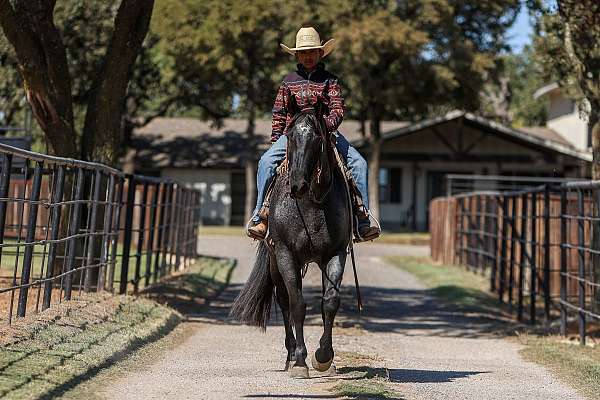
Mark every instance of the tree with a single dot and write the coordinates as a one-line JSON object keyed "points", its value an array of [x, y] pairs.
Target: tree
{"points": [[568, 46], [404, 60], [510, 99], [11, 88], [226, 49], [48, 73]]}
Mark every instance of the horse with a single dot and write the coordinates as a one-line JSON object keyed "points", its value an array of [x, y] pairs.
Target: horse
{"points": [[309, 221]]}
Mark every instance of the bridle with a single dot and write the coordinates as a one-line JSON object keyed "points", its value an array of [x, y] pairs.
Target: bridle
{"points": [[325, 152]]}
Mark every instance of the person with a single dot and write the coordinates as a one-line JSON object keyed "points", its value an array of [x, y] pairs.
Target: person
{"points": [[310, 82]]}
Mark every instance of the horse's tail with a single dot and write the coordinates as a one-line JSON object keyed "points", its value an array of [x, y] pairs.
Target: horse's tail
{"points": [[253, 304]]}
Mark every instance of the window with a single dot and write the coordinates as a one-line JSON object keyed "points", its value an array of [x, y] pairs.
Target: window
{"points": [[390, 185]]}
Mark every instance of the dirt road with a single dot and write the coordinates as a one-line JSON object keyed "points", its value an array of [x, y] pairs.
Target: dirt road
{"points": [[429, 351]]}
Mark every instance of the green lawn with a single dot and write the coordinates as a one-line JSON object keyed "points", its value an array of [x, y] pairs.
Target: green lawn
{"points": [[577, 365]]}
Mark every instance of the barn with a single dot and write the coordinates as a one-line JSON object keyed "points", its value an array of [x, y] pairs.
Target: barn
{"points": [[415, 159]]}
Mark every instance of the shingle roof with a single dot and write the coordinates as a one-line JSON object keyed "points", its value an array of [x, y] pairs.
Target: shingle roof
{"points": [[540, 137], [193, 143]]}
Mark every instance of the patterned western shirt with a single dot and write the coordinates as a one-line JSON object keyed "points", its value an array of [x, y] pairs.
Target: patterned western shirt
{"points": [[307, 88]]}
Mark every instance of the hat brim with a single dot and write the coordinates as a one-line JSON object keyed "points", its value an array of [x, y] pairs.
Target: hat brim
{"points": [[327, 48]]}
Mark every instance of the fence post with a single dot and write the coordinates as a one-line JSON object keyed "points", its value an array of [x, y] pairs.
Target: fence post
{"points": [[581, 274], [494, 241], [513, 240], [140, 243], [92, 232], [166, 229], [522, 252], [161, 228], [547, 253], [503, 258], [4, 185], [151, 229], [106, 233], [533, 258], [56, 199], [563, 261], [73, 229], [127, 234], [30, 238], [459, 241], [478, 236], [115, 237]]}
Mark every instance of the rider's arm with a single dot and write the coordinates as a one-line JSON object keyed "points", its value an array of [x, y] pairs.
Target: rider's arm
{"points": [[336, 106], [279, 113]]}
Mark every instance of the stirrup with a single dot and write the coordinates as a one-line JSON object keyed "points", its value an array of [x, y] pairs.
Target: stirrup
{"points": [[360, 238]]}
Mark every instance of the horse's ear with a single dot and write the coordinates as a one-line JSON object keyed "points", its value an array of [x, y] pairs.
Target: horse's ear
{"points": [[320, 108], [292, 106]]}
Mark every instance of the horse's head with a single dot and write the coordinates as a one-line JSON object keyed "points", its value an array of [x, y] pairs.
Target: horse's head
{"points": [[307, 138]]}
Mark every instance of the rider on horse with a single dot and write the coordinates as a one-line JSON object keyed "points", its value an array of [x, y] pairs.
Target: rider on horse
{"points": [[309, 83]]}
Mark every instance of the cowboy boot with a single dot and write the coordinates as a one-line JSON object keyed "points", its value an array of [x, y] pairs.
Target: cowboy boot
{"points": [[259, 230], [365, 231]]}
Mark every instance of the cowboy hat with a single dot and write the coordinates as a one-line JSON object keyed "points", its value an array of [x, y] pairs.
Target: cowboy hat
{"points": [[308, 39]]}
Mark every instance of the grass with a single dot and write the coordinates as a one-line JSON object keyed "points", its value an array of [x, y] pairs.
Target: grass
{"points": [[412, 238], [361, 378], [205, 279], [578, 366], [455, 285], [222, 230], [82, 337], [49, 354]]}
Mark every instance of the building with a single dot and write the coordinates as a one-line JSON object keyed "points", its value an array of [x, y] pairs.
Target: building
{"points": [[415, 158], [565, 117]]}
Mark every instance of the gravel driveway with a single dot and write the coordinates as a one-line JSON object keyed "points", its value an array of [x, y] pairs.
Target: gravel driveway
{"points": [[430, 351]]}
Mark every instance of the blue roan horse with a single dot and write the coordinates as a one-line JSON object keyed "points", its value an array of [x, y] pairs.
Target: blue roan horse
{"points": [[309, 221]]}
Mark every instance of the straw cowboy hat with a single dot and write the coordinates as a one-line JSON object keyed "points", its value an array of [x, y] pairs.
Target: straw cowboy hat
{"points": [[308, 39]]}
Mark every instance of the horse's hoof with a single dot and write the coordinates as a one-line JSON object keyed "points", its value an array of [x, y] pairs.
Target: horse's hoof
{"points": [[287, 366], [299, 372], [319, 366]]}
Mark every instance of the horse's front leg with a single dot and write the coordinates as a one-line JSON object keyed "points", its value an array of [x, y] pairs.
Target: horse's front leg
{"points": [[290, 272], [332, 280], [284, 303]]}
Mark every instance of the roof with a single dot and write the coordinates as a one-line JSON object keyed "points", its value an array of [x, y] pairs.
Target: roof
{"points": [[540, 137], [193, 143], [544, 132], [545, 90]]}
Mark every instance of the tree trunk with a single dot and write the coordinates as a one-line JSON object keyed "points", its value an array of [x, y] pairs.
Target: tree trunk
{"points": [[29, 27], [102, 139], [595, 123], [374, 163], [250, 169]]}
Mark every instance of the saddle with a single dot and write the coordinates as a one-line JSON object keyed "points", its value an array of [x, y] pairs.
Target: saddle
{"points": [[359, 211]]}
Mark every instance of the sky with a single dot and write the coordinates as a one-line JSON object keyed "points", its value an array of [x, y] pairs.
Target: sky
{"points": [[519, 34]]}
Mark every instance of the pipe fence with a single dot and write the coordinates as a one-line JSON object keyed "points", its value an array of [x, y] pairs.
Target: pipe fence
{"points": [[69, 226], [539, 247]]}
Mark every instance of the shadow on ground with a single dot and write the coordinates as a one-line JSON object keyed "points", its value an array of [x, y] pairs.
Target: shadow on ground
{"points": [[405, 311]]}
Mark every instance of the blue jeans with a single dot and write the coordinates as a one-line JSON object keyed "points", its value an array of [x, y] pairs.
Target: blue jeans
{"points": [[269, 161]]}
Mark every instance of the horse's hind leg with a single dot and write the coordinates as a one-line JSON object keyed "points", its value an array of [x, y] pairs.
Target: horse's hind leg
{"points": [[284, 304], [332, 279]]}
